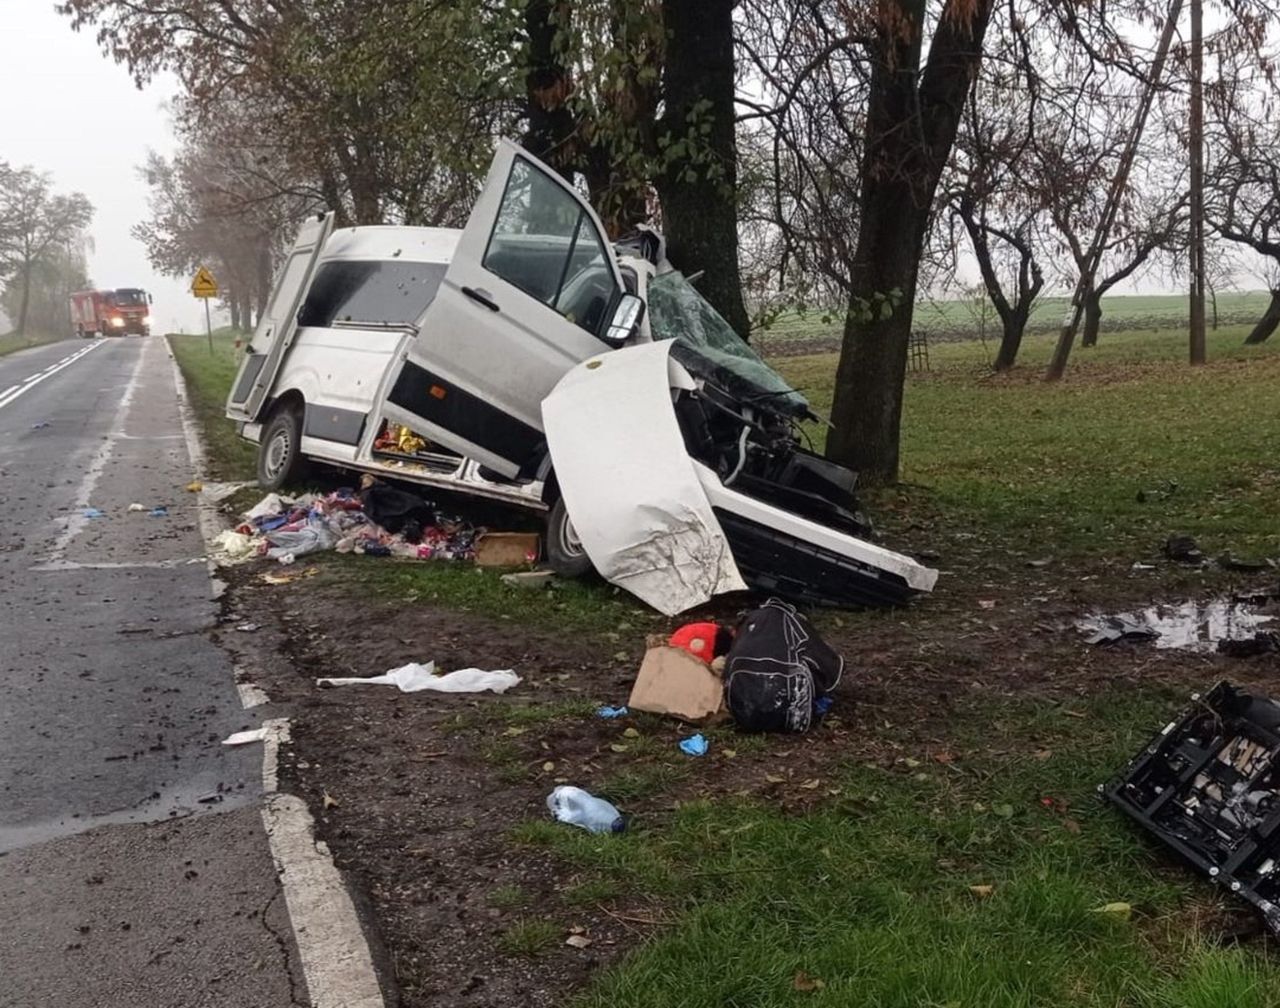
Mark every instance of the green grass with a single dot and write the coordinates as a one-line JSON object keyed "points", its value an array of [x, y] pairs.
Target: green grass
{"points": [[11, 342], [1056, 469], [531, 937], [209, 377], [871, 894]]}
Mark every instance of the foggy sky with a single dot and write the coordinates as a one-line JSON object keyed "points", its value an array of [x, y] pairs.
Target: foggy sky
{"points": [[69, 110]]}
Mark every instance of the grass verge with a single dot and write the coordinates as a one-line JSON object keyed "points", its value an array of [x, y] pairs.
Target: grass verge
{"points": [[209, 376], [12, 342], [978, 881]]}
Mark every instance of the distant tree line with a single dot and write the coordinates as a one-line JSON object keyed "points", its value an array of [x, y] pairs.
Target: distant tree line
{"points": [[797, 152], [42, 250]]}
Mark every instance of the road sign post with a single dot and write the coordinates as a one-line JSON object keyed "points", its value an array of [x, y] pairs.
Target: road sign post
{"points": [[204, 286]]}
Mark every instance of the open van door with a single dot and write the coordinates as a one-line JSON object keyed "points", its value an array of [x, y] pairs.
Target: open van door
{"points": [[278, 324], [532, 290]]}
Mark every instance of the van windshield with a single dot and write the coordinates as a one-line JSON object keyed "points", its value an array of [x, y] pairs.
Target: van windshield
{"points": [[128, 297], [709, 348]]}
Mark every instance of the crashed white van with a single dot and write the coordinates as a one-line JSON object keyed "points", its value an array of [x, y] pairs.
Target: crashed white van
{"points": [[542, 366]]}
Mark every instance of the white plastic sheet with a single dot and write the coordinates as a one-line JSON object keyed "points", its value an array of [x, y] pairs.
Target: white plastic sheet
{"points": [[413, 678]]}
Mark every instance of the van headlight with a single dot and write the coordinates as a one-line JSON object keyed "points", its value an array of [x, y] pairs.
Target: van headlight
{"points": [[117, 321], [146, 320]]}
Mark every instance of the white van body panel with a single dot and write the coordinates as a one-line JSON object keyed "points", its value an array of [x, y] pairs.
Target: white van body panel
{"points": [[638, 507]]}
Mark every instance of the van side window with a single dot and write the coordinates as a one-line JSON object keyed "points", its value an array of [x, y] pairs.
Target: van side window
{"points": [[377, 292], [545, 244]]}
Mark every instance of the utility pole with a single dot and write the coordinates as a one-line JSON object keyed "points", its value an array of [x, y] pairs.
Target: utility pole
{"points": [[1067, 336], [1196, 136]]}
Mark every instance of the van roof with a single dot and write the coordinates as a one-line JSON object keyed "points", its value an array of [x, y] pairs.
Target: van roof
{"points": [[393, 241]]}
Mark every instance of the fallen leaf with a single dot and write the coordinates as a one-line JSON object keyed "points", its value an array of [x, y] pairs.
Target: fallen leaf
{"points": [[1042, 754], [910, 763], [619, 747], [513, 731], [982, 891], [548, 766], [774, 778], [631, 733], [730, 753], [1004, 810], [328, 801], [1074, 713], [986, 603], [579, 941], [944, 758], [811, 783], [804, 982], [195, 486], [1070, 825], [1119, 909]]}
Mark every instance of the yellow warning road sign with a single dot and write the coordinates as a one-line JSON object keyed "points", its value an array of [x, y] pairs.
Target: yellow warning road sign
{"points": [[204, 285]]}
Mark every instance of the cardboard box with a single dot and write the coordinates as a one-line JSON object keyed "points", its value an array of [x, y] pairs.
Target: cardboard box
{"points": [[672, 681], [507, 549]]}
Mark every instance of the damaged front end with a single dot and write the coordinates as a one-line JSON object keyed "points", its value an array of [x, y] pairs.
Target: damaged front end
{"points": [[681, 471], [1208, 786]]}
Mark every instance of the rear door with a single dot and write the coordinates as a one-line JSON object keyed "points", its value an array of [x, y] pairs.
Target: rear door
{"points": [[279, 323], [530, 287]]}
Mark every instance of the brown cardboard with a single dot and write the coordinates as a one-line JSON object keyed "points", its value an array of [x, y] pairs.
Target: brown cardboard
{"points": [[672, 681], [506, 549]]}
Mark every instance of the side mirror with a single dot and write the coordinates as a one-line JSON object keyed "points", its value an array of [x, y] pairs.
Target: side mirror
{"points": [[150, 299], [626, 320]]}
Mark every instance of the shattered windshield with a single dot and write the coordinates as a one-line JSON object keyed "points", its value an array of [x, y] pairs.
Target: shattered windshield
{"points": [[707, 345]]}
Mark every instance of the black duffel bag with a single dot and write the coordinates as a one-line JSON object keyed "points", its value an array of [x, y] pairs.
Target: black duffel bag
{"points": [[777, 670]]}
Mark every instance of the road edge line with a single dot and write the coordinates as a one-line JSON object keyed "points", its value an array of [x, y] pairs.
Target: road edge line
{"points": [[337, 962]]}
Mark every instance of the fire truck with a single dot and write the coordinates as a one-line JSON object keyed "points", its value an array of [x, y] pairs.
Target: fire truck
{"points": [[111, 312]]}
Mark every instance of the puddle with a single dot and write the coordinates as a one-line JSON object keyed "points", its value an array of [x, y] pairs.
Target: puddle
{"points": [[1184, 626]]}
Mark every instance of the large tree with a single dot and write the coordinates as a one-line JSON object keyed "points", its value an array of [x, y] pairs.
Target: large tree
{"points": [[37, 226]]}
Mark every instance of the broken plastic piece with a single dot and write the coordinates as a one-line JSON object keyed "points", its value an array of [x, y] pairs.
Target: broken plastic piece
{"points": [[609, 713], [93, 512], [245, 737], [159, 512], [414, 677]]}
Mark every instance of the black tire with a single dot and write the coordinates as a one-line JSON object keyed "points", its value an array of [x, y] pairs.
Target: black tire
{"points": [[565, 554], [280, 461]]}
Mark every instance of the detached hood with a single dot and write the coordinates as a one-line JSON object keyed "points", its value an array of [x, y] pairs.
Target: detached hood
{"points": [[629, 486]]}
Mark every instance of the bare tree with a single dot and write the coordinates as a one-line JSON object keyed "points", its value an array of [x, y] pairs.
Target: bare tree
{"points": [[36, 224]]}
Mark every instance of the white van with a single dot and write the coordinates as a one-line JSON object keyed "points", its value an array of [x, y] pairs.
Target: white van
{"points": [[539, 365]]}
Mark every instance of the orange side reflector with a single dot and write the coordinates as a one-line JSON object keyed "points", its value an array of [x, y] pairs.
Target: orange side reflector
{"points": [[437, 391]]}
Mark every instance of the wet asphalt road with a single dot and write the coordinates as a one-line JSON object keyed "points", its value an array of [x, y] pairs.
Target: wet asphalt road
{"points": [[119, 884]]}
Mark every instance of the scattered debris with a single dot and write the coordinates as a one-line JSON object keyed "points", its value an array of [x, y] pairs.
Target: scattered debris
{"points": [[805, 983], [706, 641], [1208, 786], [506, 549], [694, 745], [579, 940], [195, 486], [159, 512], [93, 512], [245, 737], [1187, 626], [1167, 491], [1119, 909], [137, 507], [414, 677], [609, 713], [672, 681], [248, 627], [529, 579], [1250, 647], [279, 579], [1234, 563], [577, 807], [327, 801], [1183, 549], [40, 426], [982, 891]]}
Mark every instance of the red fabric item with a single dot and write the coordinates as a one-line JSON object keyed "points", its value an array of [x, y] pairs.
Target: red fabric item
{"points": [[699, 639]]}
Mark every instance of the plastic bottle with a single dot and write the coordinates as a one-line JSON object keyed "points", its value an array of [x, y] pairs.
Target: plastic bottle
{"points": [[578, 808]]}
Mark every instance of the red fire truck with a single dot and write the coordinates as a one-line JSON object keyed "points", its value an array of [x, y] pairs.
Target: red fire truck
{"points": [[111, 312]]}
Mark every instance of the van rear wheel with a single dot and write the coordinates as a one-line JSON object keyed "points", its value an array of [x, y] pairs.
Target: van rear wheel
{"points": [[565, 554], [280, 460]]}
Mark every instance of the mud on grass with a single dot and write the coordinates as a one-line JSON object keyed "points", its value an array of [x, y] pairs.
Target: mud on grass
{"points": [[964, 751]]}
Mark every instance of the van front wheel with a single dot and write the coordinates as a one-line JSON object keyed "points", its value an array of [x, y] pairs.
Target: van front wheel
{"points": [[565, 554], [280, 460]]}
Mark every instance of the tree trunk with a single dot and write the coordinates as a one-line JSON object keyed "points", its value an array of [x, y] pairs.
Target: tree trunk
{"points": [[1092, 319], [25, 303], [1013, 326], [700, 214], [233, 305], [909, 136], [547, 87], [1267, 324]]}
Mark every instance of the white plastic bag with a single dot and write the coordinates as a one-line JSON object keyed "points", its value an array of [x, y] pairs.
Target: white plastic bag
{"points": [[414, 677]]}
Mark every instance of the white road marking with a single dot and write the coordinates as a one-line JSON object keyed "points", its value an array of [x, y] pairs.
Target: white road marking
{"points": [[14, 391], [336, 961], [76, 522]]}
